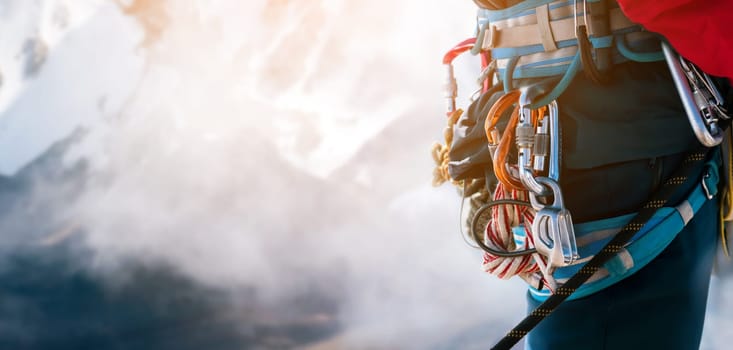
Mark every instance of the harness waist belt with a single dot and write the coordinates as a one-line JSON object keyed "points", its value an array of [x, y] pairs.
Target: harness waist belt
{"points": [[646, 245], [538, 38]]}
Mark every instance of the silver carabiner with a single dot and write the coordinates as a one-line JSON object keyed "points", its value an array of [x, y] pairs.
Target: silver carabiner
{"points": [[554, 168], [553, 171], [703, 103], [525, 136]]}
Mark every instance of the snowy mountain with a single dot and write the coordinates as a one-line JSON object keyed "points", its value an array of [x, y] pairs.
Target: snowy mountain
{"points": [[68, 65], [157, 147]]}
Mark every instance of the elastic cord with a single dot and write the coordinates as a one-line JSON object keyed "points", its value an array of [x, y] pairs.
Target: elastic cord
{"points": [[480, 240], [563, 84], [636, 56]]}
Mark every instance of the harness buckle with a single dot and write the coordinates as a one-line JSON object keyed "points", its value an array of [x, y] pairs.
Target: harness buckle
{"points": [[708, 193]]}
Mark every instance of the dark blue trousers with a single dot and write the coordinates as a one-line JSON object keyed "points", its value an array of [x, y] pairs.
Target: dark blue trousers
{"points": [[662, 306]]}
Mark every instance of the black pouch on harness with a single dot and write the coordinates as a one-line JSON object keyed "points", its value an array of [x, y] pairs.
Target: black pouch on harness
{"points": [[469, 156]]}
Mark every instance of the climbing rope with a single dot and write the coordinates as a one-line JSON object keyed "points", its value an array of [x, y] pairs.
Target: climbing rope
{"points": [[506, 258]]}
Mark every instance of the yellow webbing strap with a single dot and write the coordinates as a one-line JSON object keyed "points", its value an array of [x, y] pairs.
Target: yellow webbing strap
{"points": [[726, 205]]}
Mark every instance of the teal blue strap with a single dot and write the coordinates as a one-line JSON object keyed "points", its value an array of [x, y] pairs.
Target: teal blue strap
{"points": [[656, 235], [561, 86], [637, 56], [601, 41], [516, 10]]}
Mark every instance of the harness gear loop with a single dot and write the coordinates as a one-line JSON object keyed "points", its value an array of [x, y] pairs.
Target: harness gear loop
{"points": [[555, 225]]}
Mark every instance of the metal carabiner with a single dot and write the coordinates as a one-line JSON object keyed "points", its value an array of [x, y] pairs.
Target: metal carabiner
{"points": [[525, 137], [553, 229], [703, 103], [451, 85], [553, 171], [500, 151], [528, 140]]}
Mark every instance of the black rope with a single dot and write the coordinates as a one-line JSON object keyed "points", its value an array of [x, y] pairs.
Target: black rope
{"points": [[479, 238], [658, 200], [586, 58]]}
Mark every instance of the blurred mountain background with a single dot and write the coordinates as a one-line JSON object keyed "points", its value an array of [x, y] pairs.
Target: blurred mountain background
{"points": [[222, 174]]}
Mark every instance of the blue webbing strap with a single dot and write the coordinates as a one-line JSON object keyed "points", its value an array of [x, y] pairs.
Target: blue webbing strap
{"points": [[647, 244], [555, 66], [523, 8], [561, 85]]}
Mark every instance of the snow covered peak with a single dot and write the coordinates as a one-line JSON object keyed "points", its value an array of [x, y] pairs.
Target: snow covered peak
{"points": [[64, 67]]}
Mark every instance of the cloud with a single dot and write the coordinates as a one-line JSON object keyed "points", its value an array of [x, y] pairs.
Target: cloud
{"points": [[279, 152]]}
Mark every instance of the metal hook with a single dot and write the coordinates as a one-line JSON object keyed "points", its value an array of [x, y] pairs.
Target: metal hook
{"points": [[525, 135], [701, 102]]}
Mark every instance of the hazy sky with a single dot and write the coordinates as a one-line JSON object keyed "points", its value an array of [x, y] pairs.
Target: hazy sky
{"points": [[275, 146]]}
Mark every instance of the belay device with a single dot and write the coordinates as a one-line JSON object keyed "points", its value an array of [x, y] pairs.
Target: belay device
{"points": [[504, 153]]}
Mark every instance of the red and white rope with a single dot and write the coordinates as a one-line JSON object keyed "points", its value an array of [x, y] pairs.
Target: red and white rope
{"points": [[499, 236]]}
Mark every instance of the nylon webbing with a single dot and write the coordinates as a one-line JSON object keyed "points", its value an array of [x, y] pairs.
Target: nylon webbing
{"points": [[658, 200]]}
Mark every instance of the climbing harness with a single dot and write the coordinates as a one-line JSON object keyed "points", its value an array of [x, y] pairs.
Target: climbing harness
{"points": [[530, 52], [533, 73]]}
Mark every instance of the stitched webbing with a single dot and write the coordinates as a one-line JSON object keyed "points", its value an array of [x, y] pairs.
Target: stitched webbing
{"points": [[663, 194]]}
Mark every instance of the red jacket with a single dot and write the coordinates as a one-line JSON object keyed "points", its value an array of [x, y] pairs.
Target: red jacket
{"points": [[700, 30]]}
